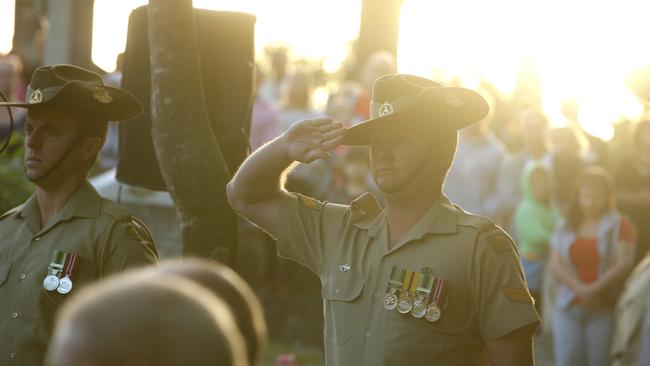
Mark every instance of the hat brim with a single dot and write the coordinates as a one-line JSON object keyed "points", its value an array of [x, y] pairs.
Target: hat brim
{"points": [[80, 97], [434, 109]]}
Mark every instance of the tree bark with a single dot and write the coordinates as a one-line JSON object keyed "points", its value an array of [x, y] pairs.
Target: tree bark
{"points": [[378, 30], [191, 161]]}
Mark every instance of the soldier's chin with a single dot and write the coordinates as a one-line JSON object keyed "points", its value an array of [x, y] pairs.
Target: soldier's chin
{"points": [[33, 175]]}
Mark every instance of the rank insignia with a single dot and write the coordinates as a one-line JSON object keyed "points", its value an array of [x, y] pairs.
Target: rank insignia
{"points": [[101, 95]]}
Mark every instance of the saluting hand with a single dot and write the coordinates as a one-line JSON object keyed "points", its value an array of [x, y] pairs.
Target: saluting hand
{"points": [[309, 140]]}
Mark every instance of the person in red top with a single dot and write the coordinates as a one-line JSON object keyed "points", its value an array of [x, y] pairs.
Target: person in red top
{"points": [[592, 253]]}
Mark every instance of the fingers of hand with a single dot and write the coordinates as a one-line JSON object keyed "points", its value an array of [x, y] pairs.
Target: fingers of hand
{"points": [[331, 143]]}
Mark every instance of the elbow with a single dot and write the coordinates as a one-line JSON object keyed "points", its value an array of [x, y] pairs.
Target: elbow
{"points": [[234, 199]]}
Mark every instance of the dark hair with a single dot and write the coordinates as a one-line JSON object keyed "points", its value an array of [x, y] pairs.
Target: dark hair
{"points": [[594, 177]]}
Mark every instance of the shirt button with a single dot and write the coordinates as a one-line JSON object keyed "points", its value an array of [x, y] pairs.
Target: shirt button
{"points": [[337, 291], [367, 334], [37, 238], [23, 276], [14, 315], [12, 355], [377, 294]]}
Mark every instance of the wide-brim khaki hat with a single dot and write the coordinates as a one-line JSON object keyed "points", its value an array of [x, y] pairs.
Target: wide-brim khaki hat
{"points": [[411, 104], [72, 88]]}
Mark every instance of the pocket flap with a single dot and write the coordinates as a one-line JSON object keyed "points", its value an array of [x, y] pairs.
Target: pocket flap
{"points": [[345, 286], [4, 272]]}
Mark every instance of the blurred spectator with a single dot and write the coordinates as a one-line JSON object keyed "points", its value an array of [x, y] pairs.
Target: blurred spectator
{"points": [[592, 253], [632, 334], [478, 158], [108, 156], [352, 177], [11, 86], [535, 221], [273, 85], [136, 320], [297, 101], [379, 63], [233, 290], [342, 105], [633, 186], [567, 164], [597, 150], [265, 121], [534, 135]]}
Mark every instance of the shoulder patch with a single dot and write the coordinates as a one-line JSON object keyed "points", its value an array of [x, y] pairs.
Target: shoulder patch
{"points": [[500, 242], [364, 207], [517, 294], [134, 229]]}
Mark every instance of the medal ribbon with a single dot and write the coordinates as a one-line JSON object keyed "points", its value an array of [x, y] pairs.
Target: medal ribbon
{"points": [[408, 278], [425, 285], [71, 265], [439, 289], [414, 283], [58, 261]]}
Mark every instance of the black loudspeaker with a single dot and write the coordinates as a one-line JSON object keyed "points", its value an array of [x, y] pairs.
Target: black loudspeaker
{"points": [[226, 51]]}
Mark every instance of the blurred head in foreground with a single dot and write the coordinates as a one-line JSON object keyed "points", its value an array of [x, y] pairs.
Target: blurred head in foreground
{"points": [[233, 290], [138, 320]]}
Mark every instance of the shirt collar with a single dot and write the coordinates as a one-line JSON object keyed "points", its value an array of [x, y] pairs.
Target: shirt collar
{"points": [[85, 202]]}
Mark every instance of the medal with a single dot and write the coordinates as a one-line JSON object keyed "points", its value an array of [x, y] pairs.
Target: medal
{"points": [[433, 310], [51, 281], [71, 264], [421, 296], [405, 301], [394, 283], [65, 285]]}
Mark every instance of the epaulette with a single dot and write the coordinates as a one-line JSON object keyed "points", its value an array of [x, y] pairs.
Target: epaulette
{"points": [[10, 212], [115, 210], [476, 221], [365, 207]]}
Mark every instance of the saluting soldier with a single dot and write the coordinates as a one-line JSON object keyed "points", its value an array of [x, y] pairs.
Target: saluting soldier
{"points": [[419, 282], [66, 235]]}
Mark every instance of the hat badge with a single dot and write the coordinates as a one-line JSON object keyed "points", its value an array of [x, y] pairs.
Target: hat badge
{"points": [[386, 109], [101, 95], [36, 96]]}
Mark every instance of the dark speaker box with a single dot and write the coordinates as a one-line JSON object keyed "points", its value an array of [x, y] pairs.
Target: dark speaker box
{"points": [[226, 52]]}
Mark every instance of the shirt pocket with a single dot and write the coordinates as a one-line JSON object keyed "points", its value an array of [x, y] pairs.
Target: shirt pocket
{"points": [[4, 274], [418, 341], [341, 292]]}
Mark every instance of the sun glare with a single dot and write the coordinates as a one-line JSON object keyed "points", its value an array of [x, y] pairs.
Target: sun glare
{"points": [[314, 29], [580, 50], [7, 11]]}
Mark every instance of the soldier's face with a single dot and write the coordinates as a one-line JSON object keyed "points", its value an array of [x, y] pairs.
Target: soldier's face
{"points": [[396, 160], [50, 144]]}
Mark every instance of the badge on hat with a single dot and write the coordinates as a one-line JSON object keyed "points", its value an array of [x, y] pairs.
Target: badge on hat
{"points": [[101, 95], [386, 109], [36, 96]]}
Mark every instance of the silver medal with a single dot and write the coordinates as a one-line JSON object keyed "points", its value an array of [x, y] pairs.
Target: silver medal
{"points": [[65, 285], [433, 312], [419, 308], [390, 301], [404, 305], [51, 282]]}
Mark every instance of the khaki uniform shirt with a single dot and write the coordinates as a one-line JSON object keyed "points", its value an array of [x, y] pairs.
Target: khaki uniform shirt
{"points": [[348, 247], [631, 310], [102, 233]]}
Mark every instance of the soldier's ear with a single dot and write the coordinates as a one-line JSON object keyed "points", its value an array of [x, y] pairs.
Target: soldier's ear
{"points": [[90, 148]]}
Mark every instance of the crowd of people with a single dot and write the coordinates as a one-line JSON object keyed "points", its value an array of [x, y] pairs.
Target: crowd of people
{"points": [[576, 207]]}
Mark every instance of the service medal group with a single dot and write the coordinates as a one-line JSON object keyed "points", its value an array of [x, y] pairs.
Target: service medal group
{"points": [[61, 271], [417, 293]]}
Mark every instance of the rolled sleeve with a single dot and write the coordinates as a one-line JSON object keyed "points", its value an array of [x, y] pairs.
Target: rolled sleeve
{"points": [[308, 228], [503, 302]]}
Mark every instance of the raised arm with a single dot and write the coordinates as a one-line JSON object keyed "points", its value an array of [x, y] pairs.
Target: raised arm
{"points": [[257, 189]]}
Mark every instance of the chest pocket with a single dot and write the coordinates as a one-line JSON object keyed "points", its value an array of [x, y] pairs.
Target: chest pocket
{"points": [[341, 292]]}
